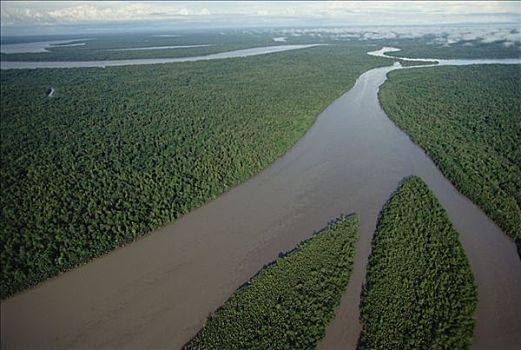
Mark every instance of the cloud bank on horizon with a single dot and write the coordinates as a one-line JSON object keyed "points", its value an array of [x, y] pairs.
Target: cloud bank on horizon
{"points": [[62, 16], [444, 35]]}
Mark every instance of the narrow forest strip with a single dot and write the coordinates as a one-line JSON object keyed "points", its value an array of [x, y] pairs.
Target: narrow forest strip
{"points": [[288, 304], [419, 291], [468, 120], [407, 63]]}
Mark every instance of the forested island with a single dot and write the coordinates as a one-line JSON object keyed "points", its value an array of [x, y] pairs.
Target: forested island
{"points": [[419, 292], [288, 304]]}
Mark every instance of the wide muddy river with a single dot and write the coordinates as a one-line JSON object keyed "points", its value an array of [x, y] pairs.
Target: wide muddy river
{"points": [[157, 291]]}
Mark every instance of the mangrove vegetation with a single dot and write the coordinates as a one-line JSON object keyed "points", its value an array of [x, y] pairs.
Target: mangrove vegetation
{"points": [[288, 304], [419, 291]]}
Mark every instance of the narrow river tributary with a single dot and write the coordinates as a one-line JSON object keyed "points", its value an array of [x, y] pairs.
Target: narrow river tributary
{"points": [[157, 292]]}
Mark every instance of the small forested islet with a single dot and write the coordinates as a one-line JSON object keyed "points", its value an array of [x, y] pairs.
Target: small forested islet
{"points": [[288, 304]]}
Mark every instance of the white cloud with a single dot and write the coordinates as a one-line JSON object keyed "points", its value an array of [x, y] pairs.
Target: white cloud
{"points": [[19, 13], [94, 12], [443, 35]]}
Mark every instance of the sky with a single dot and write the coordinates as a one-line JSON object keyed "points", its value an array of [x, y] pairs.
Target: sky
{"points": [[62, 17]]}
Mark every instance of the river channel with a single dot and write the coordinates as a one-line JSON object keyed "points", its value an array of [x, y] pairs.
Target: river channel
{"points": [[157, 291], [130, 62]]}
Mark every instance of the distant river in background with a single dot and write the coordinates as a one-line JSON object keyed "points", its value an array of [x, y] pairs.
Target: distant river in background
{"points": [[112, 63], [443, 62], [39, 46]]}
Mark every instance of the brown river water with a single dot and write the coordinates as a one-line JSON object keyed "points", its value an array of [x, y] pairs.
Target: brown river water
{"points": [[156, 292]]}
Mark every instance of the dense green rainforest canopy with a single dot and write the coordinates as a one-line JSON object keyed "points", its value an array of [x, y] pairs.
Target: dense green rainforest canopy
{"points": [[419, 291], [290, 302], [120, 151]]}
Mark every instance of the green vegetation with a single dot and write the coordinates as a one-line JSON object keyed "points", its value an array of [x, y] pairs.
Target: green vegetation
{"points": [[468, 121], [103, 46], [425, 48], [120, 151], [419, 292], [405, 63], [289, 303], [106, 47]]}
